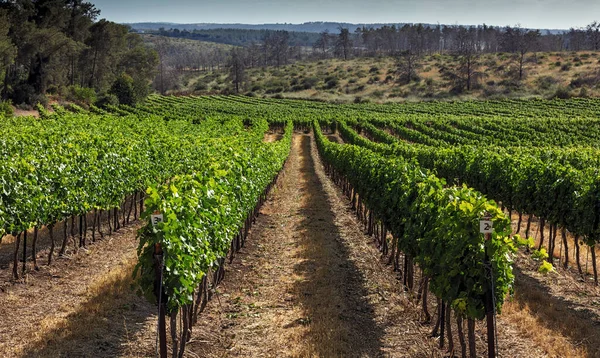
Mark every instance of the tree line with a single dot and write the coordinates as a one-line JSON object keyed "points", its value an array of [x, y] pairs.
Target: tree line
{"points": [[427, 39], [238, 37], [58, 47], [410, 43]]}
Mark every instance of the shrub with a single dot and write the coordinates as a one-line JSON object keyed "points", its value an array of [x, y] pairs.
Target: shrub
{"points": [[82, 95], [124, 90], [579, 82], [24, 107], [377, 94], [200, 86], [39, 99], [333, 82], [546, 82], [492, 92], [512, 84], [106, 100], [276, 85], [23, 93], [6, 109], [562, 93], [566, 67], [274, 90], [310, 82]]}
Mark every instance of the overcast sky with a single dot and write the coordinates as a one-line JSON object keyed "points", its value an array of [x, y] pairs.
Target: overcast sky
{"points": [[550, 14]]}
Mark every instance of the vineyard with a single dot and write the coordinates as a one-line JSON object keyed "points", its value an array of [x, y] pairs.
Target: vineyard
{"points": [[197, 183]]}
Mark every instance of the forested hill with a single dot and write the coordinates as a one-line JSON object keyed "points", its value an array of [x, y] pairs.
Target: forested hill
{"points": [[238, 37], [316, 27], [62, 48]]}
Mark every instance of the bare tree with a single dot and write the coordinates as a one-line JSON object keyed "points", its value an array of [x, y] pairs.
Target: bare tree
{"points": [[322, 44], [593, 35], [237, 68], [467, 50], [407, 64], [520, 41], [276, 48], [344, 43]]}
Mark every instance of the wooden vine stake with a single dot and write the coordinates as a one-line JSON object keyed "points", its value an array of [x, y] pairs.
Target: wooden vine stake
{"points": [[160, 292], [486, 228]]}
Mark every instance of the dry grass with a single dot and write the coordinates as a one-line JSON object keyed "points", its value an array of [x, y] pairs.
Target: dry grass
{"points": [[79, 306], [557, 311], [270, 137], [97, 321], [356, 78], [23, 113], [523, 312]]}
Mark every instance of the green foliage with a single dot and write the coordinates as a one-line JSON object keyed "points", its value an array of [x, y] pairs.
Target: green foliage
{"points": [[6, 109], [540, 254], [57, 44], [522, 242], [81, 95], [124, 90], [546, 82], [310, 82], [562, 93], [432, 223], [546, 267], [107, 99], [203, 211], [377, 94], [427, 174], [331, 82]]}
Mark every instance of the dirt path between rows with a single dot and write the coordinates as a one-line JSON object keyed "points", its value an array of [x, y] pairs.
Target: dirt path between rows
{"points": [[309, 283]]}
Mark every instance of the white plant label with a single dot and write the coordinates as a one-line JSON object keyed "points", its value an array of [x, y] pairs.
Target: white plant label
{"points": [[486, 226], [156, 218]]}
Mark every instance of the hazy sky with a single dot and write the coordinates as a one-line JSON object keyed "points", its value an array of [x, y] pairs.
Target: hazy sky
{"points": [[555, 14]]}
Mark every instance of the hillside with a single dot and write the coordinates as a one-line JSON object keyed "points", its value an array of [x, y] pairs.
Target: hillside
{"points": [[196, 45], [562, 74], [313, 26]]}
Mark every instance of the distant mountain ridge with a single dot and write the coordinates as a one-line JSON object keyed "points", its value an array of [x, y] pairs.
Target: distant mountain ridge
{"points": [[317, 26]]}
